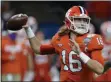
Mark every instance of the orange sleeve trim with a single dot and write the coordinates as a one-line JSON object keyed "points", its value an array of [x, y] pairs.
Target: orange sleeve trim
{"points": [[47, 49]]}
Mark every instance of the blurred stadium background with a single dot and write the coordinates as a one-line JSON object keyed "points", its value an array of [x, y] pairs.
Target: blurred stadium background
{"points": [[45, 17]]}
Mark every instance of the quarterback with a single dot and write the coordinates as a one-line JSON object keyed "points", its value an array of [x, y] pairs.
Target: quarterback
{"points": [[79, 52]]}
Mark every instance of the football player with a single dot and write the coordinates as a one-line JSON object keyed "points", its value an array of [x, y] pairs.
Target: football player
{"points": [[15, 58], [42, 62], [106, 32], [11, 53], [79, 52], [28, 71], [105, 29]]}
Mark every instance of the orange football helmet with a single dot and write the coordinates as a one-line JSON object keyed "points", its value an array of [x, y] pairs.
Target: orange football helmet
{"points": [[77, 20]]}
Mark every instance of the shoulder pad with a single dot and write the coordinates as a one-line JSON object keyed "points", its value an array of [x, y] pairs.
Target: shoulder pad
{"points": [[96, 42]]}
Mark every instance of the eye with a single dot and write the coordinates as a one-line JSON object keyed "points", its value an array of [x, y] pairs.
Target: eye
{"points": [[86, 20], [77, 19]]}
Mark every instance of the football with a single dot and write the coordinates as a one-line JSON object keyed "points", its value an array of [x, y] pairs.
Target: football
{"points": [[16, 22]]}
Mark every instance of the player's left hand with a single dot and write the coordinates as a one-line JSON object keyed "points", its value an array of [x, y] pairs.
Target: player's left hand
{"points": [[75, 47]]}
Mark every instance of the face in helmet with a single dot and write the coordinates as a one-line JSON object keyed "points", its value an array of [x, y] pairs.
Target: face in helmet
{"points": [[77, 20]]}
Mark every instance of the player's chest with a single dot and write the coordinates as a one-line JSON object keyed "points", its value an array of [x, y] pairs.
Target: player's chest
{"points": [[68, 57], [64, 43]]}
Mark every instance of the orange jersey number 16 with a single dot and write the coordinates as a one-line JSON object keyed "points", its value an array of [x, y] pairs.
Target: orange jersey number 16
{"points": [[71, 62]]}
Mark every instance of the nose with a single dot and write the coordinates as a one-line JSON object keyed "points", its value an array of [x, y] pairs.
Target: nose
{"points": [[82, 21], [82, 24]]}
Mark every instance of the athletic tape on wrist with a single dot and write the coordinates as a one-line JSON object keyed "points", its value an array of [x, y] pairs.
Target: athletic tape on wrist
{"points": [[29, 32], [84, 57]]}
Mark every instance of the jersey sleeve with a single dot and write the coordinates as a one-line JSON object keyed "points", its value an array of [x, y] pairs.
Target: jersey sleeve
{"points": [[47, 49], [96, 43], [97, 55]]}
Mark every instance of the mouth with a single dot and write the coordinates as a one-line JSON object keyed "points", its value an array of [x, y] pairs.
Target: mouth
{"points": [[81, 27]]}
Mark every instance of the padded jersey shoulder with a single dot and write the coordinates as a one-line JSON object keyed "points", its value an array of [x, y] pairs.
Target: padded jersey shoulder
{"points": [[96, 42]]}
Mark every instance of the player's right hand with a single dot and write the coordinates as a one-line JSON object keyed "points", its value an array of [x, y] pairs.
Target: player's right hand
{"points": [[25, 26], [16, 22]]}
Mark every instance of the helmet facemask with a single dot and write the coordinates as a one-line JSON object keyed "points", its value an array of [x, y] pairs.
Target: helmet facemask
{"points": [[79, 24]]}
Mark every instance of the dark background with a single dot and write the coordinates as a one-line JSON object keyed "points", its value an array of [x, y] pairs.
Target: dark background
{"points": [[50, 14]]}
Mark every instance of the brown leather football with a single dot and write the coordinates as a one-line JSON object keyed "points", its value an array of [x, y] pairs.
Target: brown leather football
{"points": [[17, 21]]}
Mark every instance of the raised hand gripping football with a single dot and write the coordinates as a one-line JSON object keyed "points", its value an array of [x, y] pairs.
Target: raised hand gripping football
{"points": [[17, 21]]}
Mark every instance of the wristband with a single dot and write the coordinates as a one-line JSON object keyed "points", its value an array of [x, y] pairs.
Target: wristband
{"points": [[28, 76], [84, 57], [29, 32]]}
